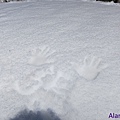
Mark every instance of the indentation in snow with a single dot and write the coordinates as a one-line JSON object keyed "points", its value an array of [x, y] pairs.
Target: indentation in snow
{"points": [[59, 82], [55, 81], [90, 68], [27, 89], [33, 81], [41, 56]]}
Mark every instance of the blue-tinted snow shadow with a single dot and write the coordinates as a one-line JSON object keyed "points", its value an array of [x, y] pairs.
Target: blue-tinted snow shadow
{"points": [[36, 115]]}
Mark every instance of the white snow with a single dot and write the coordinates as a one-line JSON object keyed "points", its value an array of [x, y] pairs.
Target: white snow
{"points": [[90, 68], [41, 56], [43, 45]]}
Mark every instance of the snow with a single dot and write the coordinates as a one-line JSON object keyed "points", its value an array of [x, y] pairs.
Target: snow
{"points": [[41, 56], [90, 68], [43, 64]]}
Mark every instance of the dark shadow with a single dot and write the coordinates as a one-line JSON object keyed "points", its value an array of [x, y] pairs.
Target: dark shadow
{"points": [[38, 115], [115, 1]]}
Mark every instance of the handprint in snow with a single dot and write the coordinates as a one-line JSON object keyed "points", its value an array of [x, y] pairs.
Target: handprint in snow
{"points": [[33, 81], [91, 68], [27, 89], [41, 56]]}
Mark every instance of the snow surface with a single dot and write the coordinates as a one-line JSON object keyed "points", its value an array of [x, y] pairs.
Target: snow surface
{"points": [[43, 64]]}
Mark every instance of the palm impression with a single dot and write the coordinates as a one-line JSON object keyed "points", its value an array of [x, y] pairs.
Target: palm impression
{"points": [[91, 68], [41, 56]]}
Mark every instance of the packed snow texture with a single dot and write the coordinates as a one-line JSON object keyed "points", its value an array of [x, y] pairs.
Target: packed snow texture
{"points": [[43, 63]]}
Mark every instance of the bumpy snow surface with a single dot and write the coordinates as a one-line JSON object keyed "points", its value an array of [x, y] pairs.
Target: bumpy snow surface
{"points": [[62, 55]]}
